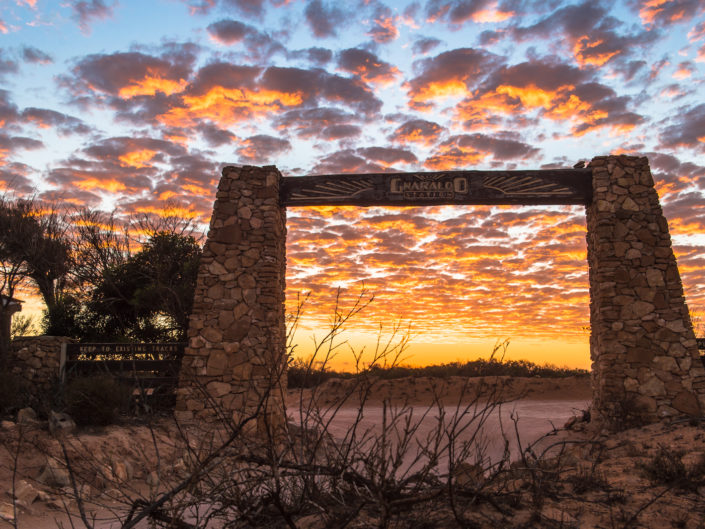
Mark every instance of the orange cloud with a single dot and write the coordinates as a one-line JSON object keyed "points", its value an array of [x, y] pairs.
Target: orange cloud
{"points": [[454, 157], [559, 105], [166, 195], [652, 9], [181, 139], [585, 53], [491, 14], [169, 211], [152, 85], [137, 159], [480, 110], [386, 29], [682, 73], [701, 55], [103, 184], [226, 106], [455, 273], [370, 73], [441, 90], [196, 189]]}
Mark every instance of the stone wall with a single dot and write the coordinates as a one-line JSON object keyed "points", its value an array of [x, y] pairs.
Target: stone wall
{"points": [[236, 354], [37, 358], [645, 362]]}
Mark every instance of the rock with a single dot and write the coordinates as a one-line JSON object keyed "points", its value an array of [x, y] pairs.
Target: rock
{"points": [[468, 475], [687, 403], [85, 491], [26, 416], [630, 205], [7, 512], [25, 493], [557, 515], [153, 479], [61, 423], [218, 389], [312, 521], [7, 425], [44, 496], [122, 470], [652, 387], [54, 475]]}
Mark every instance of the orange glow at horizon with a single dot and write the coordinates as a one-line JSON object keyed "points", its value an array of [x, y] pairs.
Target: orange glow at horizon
{"points": [[433, 273]]}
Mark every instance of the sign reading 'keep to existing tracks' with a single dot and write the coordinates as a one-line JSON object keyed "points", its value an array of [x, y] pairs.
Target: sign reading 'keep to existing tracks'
{"points": [[542, 187]]}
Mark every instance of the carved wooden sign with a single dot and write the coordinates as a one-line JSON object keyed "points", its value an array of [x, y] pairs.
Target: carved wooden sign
{"points": [[543, 187]]}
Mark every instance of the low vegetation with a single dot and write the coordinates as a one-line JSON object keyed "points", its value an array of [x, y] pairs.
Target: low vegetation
{"points": [[301, 375], [96, 401], [667, 467], [250, 469]]}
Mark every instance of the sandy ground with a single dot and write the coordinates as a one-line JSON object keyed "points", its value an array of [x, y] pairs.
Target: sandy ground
{"points": [[600, 483]]}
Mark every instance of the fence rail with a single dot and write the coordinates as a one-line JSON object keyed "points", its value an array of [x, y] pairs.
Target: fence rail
{"points": [[151, 368]]}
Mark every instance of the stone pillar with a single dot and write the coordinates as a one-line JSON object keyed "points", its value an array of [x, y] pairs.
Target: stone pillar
{"points": [[645, 362], [235, 359]]}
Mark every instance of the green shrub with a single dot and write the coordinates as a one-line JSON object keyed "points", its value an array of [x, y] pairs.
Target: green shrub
{"points": [[96, 401]]}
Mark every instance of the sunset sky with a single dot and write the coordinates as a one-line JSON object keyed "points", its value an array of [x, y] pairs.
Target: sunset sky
{"points": [[137, 105]]}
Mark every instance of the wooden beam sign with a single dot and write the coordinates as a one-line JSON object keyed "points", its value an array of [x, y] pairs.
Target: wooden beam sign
{"points": [[542, 187]]}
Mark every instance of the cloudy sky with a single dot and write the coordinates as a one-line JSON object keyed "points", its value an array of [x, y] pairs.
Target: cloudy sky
{"points": [[137, 105]]}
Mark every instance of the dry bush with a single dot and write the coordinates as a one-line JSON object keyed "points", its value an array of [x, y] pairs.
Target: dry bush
{"points": [[383, 471]]}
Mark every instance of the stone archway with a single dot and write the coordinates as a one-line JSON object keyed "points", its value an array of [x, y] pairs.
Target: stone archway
{"points": [[645, 361]]}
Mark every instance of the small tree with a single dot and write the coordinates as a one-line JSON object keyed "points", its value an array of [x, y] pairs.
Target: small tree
{"points": [[35, 247], [148, 297], [13, 270]]}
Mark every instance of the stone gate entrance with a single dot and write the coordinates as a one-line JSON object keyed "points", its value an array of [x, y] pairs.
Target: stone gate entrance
{"points": [[645, 361]]}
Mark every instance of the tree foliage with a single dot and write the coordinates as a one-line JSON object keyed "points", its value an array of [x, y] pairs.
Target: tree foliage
{"points": [[93, 285], [35, 249], [149, 296]]}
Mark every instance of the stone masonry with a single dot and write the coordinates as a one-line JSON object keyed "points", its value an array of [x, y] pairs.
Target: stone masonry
{"points": [[645, 362], [37, 359], [235, 358]]}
